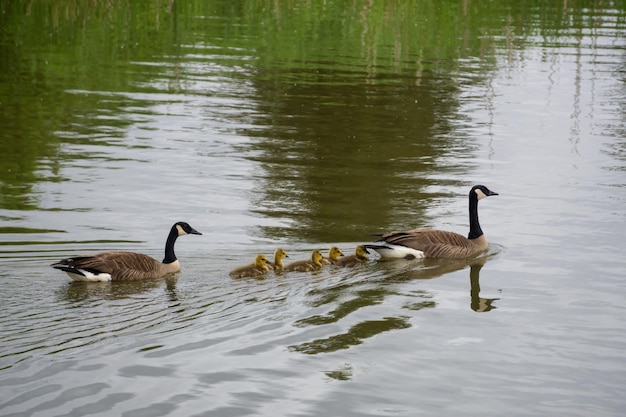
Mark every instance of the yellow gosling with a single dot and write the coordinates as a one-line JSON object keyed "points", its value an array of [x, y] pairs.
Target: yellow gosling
{"points": [[308, 265], [279, 255], [258, 268], [333, 256], [360, 256]]}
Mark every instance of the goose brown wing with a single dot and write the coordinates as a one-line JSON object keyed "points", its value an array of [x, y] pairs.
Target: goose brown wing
{"points": [[448, 251], [420, 239], [121, 265], [91, 263], [436, 243]]}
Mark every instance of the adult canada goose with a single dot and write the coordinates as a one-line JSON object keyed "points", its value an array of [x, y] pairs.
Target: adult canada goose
{"points": [[333, 256], [307, 265], [279, 255], [430, 243], [259, 267], [360, 255], [121, 266]]}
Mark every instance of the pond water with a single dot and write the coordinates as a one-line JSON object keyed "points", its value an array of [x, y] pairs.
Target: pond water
{"points": [[302, 126]]}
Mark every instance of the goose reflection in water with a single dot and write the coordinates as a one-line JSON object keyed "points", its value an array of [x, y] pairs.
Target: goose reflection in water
{"points": [[478, 303], [77, 291], [432, 268]]}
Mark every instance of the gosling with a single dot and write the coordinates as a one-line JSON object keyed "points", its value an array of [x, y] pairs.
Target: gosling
{"points": [[256, 269], [308, 265], [277, 265], [333, 256], [360, 256]]}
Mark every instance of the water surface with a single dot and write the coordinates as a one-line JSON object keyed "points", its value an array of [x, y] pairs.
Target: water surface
{"points": [[305, 126]]}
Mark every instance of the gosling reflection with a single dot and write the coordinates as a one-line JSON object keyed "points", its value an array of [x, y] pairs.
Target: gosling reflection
{"points": [[348, 298], [355, 335]]}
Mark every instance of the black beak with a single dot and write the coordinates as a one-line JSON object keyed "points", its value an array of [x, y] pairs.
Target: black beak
{"points": [[194, 232], [493, 193]]}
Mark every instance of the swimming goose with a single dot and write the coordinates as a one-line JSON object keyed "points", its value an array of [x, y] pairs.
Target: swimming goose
{"points": [[333, 256], [430, 243], [120, 266], [259, 267], [312, 264], [360, 255], [279, 255]]}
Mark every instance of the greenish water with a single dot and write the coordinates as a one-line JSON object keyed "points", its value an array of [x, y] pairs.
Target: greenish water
{"points": [[305, 125]]}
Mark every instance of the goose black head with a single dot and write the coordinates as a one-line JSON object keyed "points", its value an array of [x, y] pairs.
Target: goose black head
{"points": [[184, 229], [481, 191]]}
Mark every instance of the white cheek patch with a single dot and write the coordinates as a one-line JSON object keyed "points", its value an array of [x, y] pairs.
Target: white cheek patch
{"points": [[480, 194], [180, 230]]}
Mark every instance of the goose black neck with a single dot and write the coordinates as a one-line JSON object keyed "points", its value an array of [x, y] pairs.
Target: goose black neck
{"points": [[475, 230], [170, 256]]}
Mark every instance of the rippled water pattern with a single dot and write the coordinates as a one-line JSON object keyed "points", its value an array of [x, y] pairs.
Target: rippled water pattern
{"points": [[258, 151]]}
